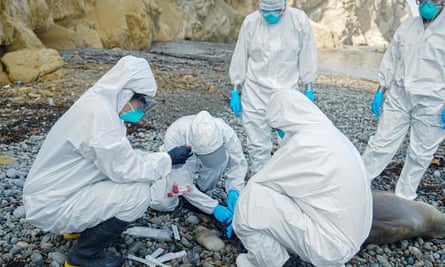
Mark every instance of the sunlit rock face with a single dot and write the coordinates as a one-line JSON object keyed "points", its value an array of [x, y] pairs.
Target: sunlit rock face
{"points": [[358, 22], [134, 24]]}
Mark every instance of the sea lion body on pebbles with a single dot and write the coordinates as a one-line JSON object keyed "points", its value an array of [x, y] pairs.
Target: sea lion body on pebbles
{"points": [[395, 219]]}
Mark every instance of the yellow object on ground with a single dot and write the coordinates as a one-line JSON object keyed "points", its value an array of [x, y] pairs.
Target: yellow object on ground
{"points": [[71, 235]]}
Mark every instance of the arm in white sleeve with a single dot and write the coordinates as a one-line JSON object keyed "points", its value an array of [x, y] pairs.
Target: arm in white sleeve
{"points": [[237, 165], [389, 62], [238, 65], [115, 158], [201, 200], [308, 63]]}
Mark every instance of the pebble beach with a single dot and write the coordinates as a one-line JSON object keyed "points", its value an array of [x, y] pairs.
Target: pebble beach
{"points": [[187, 84]]}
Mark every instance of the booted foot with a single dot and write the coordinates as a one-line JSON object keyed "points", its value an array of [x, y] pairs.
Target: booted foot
{"points": [[104, 260]]}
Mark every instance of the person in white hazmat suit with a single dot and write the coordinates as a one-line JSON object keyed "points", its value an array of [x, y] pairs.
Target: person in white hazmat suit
{"points": [[413, 70], [87, 178], [275, 49], [313, 197], [217, 152]]}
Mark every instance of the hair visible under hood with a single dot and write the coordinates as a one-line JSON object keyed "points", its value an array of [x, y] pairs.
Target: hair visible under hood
{"points": [[130, 75]]}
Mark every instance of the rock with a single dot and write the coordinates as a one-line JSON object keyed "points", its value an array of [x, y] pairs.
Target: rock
{"points": [[192, 219], [134, 24], [6, 160], [208, 240], [28, 65], [19, 212]]}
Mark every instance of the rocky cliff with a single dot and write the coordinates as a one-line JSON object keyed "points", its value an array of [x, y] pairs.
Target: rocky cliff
{"points": [[134, 24]]}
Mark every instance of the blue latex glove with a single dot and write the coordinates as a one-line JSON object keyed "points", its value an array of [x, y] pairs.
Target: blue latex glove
{"points": [[443, 119], [180, 154], [309, 94], [232, 198], [222, 214], [229, 231], [235, 102], [377, 103]]}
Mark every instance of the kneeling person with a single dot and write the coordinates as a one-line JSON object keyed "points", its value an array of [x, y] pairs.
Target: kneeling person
{"points": [[217, 152]]}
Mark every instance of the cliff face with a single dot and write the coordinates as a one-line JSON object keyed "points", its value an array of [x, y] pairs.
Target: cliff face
{"points": [[358, 22], [134, 24]]}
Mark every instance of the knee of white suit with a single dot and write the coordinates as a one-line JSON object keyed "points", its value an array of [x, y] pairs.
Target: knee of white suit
{"points": [[165, 205], [141, 201]]}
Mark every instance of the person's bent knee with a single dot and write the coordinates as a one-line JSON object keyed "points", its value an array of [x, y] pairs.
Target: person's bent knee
{"points": [[165, 205]]}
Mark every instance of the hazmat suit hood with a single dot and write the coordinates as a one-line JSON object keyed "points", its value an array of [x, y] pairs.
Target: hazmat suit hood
{"points": [[272, 4], [291, 116], [207, 140], [130, 75]]}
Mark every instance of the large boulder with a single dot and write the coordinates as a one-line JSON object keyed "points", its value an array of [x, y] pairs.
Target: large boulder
{"points": [[27, 65]]}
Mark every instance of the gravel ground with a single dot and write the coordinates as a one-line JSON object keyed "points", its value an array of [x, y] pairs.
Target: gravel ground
{"points": [[187, 84]]}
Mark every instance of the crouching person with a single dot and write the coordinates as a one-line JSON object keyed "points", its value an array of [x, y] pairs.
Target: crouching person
{"points": [[312, 198], [87, 178]]}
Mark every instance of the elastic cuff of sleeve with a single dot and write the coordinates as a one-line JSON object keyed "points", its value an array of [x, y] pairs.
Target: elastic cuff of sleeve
{"points": [[309, 87], [381, 89]]}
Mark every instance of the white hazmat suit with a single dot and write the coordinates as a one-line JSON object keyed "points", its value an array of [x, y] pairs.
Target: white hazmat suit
{"points": [[87, 172], [413, 66], [312, 198], [270, 57], [202, 179]]}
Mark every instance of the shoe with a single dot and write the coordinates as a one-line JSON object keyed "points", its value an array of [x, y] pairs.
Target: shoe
{"points": [[89, 250], [243, 261], [106, 260]]}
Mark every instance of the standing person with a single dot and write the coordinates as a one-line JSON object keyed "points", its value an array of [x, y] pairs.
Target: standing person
{"points": [[87, 178], [275, 48], [413, 67], [312, 198], [217, 152]]}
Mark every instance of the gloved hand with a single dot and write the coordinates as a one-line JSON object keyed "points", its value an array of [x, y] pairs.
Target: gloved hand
{"points": [[377, 103], [229, 231], [232, 198], [309, 94], [235, 102], [180, 154], [222, 214], [443, 119]]}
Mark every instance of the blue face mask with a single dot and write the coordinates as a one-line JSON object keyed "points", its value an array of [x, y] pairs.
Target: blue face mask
{"points": [[271, 16], [428, 10], [134, 115], [280, 133]]}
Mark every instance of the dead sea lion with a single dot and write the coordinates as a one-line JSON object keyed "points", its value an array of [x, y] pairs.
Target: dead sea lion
{"points": [[395, 219]]}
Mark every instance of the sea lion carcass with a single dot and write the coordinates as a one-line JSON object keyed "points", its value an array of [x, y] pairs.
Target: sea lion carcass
{"points": [[395, 219]]}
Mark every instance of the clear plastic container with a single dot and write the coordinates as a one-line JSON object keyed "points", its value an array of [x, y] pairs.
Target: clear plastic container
{"points": [[153, 233]]}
